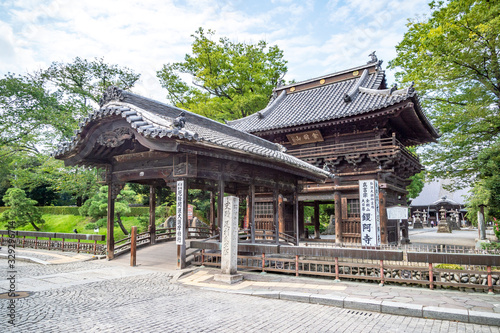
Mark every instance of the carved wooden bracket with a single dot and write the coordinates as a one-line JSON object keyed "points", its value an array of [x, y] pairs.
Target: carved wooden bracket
{"points": [[116, 137], [116, 187]]}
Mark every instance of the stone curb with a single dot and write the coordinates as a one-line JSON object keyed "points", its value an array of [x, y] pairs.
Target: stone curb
{"points": [[43, 262], [394, 308], [27, 259]]}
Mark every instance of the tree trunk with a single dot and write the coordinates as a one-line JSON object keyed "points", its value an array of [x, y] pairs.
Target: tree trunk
{"points": [[34, 226], [119, 220]]}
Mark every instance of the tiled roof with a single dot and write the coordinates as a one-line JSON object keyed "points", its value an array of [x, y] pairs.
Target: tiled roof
{"points": [[153, 119], [433, 193], [344, 98]]}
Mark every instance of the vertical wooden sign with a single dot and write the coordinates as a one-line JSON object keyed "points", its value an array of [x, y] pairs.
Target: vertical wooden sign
{"points": [[179, 223], [369, 212]]}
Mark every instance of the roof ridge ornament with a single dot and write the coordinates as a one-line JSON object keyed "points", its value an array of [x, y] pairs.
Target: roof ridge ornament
{"points": [[373, 57], [112, 93], [411, 88], [180, 121]]}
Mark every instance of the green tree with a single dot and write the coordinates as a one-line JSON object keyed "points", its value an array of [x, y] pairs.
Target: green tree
{"points": [[452, 57], [83, 82], [229, 80], [22, 209], [489, 174], [97, 206], [416, 185], [32, 117], [480, 195]]}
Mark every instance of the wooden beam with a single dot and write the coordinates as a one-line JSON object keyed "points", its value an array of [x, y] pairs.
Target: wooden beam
{"points": [[276, 215], [212, 213], [152, 214], [296, 216], [251, 211], [316, 220], [382, 195], [220, 207], [110, 239], [338, 213]]}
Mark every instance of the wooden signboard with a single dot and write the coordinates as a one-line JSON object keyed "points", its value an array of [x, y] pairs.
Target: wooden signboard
{"points": [[305, 137], [369, 211]]}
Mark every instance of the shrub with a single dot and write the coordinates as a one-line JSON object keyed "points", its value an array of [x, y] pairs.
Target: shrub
{"points": [[448, 266], [102, 222], [90, 226], [496, 229]]}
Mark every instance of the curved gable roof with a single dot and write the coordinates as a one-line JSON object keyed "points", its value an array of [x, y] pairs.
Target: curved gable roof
{"points": [[155, 121]]}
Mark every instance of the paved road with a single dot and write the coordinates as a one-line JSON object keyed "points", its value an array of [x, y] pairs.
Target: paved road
{"points": [[101, 296]]}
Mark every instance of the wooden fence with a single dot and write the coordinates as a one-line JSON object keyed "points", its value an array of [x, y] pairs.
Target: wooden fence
{"points": [[54, 241], [479, 271], [163, 234]]}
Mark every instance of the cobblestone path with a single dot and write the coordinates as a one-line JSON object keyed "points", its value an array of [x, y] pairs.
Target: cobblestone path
{"points": [[151, 302]]}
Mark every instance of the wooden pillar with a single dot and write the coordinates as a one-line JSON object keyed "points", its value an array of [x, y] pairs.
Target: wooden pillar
{"points": [[220, 206], [338, 217], [281, 214], [181, 222], [110, 237], [251, 211], [338, 212], [296, 216], [316, 220], [212, 213], [301, 220], [276, 214], [133, 247], [382, 195], [152, 214]]}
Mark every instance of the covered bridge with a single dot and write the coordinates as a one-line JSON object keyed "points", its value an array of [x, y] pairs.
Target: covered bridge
{"points": [[140, 140]]}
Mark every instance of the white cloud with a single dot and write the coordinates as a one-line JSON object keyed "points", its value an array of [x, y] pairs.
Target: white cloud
{"points": [[317, 37]]}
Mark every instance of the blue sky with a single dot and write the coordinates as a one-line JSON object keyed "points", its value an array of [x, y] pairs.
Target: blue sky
{"points": [[317, 37]]}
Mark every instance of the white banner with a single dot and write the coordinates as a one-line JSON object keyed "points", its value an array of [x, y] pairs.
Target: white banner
{"points": [[179, 222], [369, 212]]}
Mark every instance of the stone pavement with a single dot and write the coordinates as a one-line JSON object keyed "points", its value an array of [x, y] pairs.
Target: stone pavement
{"points": [[418, 302], [106, 296], [468, 307]]}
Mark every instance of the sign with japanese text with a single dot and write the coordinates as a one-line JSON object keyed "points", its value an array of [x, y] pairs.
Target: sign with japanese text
{"points": [[305, 137], [179, 221], [369, 212], [397, 213]]}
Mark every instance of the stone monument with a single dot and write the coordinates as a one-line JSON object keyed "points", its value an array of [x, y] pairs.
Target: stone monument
{"points": [[229, 246], [443, 224]]}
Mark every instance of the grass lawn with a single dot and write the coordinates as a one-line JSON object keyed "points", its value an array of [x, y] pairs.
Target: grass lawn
{"points": [[66, 224]]}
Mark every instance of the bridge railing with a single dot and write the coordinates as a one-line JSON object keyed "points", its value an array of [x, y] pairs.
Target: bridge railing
{"points": [[54, 241], [460, 270]]}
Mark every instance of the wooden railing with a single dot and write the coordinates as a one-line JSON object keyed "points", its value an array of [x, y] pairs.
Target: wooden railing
{"points": [[267, 236], [55, 241], [352, 147], [385, 266], [162, 234]]}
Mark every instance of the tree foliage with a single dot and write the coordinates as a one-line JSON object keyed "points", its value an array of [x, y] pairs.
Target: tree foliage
{"points": [[83, 82], [40, 109], [416, 185], [489, 173], [22, 210], [31, 116], [453, 59], [229, 80]]}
